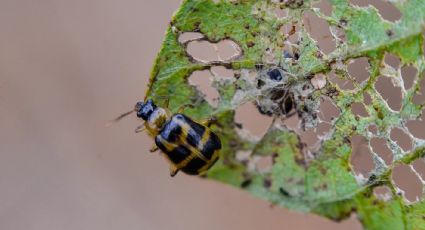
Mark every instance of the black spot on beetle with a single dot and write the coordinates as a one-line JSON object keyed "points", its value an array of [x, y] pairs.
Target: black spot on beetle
{"points": [[389, 33]]}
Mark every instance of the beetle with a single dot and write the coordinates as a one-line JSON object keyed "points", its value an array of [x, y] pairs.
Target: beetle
{"points": [[190, 146]]}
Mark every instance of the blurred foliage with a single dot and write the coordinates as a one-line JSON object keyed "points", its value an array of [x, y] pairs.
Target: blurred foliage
{"points": [[322, 182]]}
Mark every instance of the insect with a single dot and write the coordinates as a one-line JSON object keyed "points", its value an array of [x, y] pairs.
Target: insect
{"points": [[190, 146], [276, 97]]}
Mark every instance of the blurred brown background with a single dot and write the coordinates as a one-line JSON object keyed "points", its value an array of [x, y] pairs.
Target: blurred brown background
{"points": [[66, 69]]}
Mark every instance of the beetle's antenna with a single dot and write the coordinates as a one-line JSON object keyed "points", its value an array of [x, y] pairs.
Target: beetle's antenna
{"points": [[123, 115], [119, 117]]}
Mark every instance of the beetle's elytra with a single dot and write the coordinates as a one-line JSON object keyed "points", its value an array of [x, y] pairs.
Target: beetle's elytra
{"points": [[189, 146]]}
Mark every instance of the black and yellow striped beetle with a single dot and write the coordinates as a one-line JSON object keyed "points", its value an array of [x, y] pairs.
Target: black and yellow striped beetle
{"points": [[189, 146]]}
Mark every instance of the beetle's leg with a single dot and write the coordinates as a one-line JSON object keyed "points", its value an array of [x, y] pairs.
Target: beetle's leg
{"points": [[140, 128], [210, 121], [167, 102], [154, 149], [183, 107], [173, 170]]}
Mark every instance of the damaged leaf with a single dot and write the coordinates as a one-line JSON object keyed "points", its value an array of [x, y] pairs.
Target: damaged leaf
{"points": [[276, 70]]}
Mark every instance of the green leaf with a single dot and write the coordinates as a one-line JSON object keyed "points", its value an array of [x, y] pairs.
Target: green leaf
{"points": [[321, 181]]}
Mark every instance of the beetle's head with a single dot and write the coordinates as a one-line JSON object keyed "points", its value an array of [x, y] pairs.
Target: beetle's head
{"points": [[144, 109]]}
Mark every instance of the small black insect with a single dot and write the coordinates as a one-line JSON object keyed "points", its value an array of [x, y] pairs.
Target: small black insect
{"points": [[276, 97], [275, 75]]}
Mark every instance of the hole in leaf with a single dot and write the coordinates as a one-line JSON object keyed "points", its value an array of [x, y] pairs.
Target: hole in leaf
{"points": [[188, 36], [205, 51], [243, 156], [419, 166], [387, 10], [392, 60], [328, 110], [401, 138], [417, 127], [202, 51], [310, 138], [251, 120], [318, 81], [323, 129], [339, 34], [408, 74], [382, 193], [343, 83], [324, 6], [203, 80], [228, 49], [407, 181], [263, 164], [380, 147], [318, 29], [358, 69], [290, 32], [221, 72], [361, 156], [373, 129], [281, 13], [252, 74], [358, 109], [367, 99], [391, 94], [419, 97], [292, 123]]}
